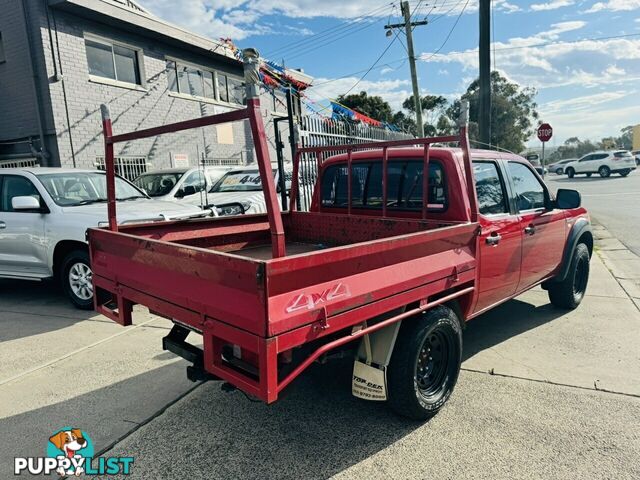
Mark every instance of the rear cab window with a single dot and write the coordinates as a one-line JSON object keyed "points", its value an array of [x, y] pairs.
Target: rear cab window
{"points": [[490, 189], [404, 179]]}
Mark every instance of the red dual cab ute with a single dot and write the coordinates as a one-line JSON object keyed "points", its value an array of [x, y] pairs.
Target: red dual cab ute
{"points": [[388, 264]]}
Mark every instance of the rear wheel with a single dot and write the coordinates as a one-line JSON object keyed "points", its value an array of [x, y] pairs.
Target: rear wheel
{"points": [[570, 292], [624, 173], [425, 363], [571, 172], [77, 279], [604, 171], [559, 171]]}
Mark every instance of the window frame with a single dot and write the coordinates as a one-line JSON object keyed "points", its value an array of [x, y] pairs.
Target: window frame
{"points": [[514, 193], [506, 192], [214, 74], [139, 52], [43, 203], [404, 161]]}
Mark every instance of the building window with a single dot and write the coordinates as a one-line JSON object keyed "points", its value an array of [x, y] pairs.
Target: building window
{"points": [[198, 82], [113, 61], [2, 57]]}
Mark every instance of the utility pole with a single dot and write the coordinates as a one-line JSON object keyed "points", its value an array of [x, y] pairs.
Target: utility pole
{"points": [[484, 111], [408, 30]]}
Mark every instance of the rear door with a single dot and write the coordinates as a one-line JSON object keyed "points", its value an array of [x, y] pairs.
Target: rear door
{"points": [[500, 236], [22, 240], [543, 229]]}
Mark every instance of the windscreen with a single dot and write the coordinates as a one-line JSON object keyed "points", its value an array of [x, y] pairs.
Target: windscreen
{"points": [[158, 184], [239, 181], [82, 188]]}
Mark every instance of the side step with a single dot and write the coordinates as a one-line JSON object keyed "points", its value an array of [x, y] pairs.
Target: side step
{"points": [[175, 343]]}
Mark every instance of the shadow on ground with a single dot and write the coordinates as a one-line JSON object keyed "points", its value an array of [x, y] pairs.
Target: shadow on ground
{"points": [[506, 321], [31, 308]]}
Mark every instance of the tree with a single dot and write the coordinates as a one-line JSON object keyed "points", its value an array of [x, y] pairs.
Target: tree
{"points": [[433, 107], [371, 106], [513, 113]]}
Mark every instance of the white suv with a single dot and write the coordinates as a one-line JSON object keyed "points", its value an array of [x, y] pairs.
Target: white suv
{"points": [[603, 163], [45, 212]]}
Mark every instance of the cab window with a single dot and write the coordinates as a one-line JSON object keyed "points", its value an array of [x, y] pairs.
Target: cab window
{"points": [[14, 186], [196, 180], [405, 185], [528, 190], [489, 189]]}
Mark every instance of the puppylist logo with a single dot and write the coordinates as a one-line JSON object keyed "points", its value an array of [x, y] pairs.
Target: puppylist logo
{"points": [[70, 452]]}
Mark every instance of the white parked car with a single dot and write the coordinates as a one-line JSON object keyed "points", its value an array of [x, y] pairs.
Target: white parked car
{"points": [[603, 163], [185, 185], [240, 190], [559, 166], [45, 212]]}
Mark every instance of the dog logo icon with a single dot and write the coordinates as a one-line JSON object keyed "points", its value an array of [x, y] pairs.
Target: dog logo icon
{"points": [[72, 444]]}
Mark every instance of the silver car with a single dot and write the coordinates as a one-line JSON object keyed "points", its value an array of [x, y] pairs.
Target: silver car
{"points": [[45, 212]]}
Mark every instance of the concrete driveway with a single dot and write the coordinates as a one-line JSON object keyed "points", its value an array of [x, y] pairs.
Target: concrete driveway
{"points": [[543, 394]]}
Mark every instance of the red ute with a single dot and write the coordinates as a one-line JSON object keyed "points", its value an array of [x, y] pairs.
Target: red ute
{"points": [[374, 267]]}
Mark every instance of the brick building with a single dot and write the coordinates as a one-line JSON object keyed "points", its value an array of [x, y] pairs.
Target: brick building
{"points": [[60, 59]]}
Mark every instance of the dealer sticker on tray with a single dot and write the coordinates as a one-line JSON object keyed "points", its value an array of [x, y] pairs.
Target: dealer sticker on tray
{"points": [[369, 383]]}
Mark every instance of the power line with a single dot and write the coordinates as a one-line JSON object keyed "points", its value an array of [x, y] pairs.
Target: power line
{"points": [[323, 34], [450, 32]]}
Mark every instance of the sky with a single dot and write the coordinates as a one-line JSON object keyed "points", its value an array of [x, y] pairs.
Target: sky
{"points": [[583, 57]]}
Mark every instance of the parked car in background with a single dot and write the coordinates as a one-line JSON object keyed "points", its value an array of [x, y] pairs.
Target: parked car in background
{"points": [[636, 153], [559, 166], [45, 213], [603, 163], [185, 185], [239, 191]]}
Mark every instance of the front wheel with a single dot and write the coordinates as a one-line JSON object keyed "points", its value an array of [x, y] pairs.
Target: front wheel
{"points": [[77, 279], [604, 171], [559, 171], [425, 363], [570, 292], [589, 175], [571, 172]]}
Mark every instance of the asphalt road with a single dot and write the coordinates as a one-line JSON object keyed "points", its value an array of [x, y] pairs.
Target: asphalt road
{"points": [[613, 202]]}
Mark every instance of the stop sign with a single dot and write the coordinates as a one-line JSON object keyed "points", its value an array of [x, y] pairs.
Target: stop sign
{"points": [[545, 132]]}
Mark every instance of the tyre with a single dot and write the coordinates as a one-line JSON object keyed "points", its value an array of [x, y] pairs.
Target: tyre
{"points": [[558, 171], [589, 175], [76, 279], [425, 363], [604, 171], [570, 292], [624, 173], [571, 172]]}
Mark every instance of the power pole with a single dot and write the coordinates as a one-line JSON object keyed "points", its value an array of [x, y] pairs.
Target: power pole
{"points": [[484, 111], [408, 30]]}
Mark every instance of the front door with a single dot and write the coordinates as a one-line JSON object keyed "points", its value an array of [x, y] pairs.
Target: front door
{"points": [[22, 242], [500, 237], [543, 229]]}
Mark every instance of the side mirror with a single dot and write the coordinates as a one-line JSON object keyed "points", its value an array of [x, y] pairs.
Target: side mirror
{"points": [[26, 203], [566, 199], [189, 190]]}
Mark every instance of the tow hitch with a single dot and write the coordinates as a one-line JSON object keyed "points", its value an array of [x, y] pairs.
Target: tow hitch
{"points": [[175, 343]]}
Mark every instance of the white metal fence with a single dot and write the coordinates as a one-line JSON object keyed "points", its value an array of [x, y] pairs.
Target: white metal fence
{"points": [[127, 166], [217, 162], [316, 131], [21, 163]]}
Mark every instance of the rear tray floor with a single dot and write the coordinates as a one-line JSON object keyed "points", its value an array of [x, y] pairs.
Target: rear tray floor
{"points": [[263, 252]]}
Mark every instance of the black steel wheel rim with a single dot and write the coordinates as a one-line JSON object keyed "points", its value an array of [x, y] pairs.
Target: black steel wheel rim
{"points": [[434, 360], [581, 277]]}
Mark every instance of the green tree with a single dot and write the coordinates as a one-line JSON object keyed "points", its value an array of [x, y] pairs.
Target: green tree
{"points": [[370, 105], [433, 108], [513, 112]]}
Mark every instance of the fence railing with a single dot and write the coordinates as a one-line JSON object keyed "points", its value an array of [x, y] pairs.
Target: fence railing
{"points": [[316, 131], [21, 163], [129, 166], [217, 162]]}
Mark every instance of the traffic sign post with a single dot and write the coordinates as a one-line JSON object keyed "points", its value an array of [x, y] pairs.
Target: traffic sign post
{"points": [[545, 132]]}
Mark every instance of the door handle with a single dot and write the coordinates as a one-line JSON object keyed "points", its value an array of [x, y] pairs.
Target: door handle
{"points": [[530, 230], [3, 225], [493, 239]]}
